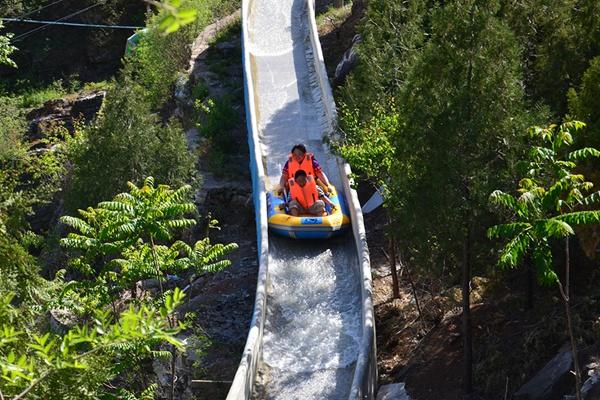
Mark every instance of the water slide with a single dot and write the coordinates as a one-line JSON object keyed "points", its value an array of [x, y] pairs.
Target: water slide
{"points": [[312, 331]]}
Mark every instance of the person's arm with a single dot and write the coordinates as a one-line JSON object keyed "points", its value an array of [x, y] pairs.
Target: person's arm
{"points": [[324, 197], [331, 203], [282, 182], [284, 178], [320, 174]]}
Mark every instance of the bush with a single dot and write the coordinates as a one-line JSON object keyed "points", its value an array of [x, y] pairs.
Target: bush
{"points": [[126, 143]]}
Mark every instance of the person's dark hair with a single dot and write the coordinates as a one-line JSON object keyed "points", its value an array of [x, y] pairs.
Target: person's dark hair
{"points": [[300, 173], [300, 147]]}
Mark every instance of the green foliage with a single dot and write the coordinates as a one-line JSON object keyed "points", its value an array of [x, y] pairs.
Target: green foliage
{"points": [[77, 363], [559, 39], [6, 49], [35, 97], [103, 342], [127, 231], [218, 118], [461, 108], [174, 17], [28, 360], [548, 195], [367, 145], [393, 32], [585, 103], [146, 394], [200, 91], [28, 178], [158, 58], [334, 16], [128, 135], [128, 139]]}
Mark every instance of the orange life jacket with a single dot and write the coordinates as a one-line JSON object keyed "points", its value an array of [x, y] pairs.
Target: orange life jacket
{"points": [[306, 165], [307, 195]]}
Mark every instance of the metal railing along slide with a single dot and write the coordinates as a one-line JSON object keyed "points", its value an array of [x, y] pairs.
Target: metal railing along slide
{"points": [[312, 331]]}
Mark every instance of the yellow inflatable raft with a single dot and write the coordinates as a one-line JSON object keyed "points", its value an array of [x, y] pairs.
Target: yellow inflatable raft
{"points": [[336, 222]]}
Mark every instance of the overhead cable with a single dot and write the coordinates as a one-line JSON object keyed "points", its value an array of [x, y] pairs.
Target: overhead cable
{"points": [[35, 11], [24, 35], [35, 21]]}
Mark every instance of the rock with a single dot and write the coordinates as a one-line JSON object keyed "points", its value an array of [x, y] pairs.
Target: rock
{"points": [[552, 381], [348, 62], [66, 112], [590, 390], [394, 391], [61, 320], [182, 91], [87, 104]]}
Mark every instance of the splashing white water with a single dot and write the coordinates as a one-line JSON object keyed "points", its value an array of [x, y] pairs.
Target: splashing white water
{"points": [[312, 331]]}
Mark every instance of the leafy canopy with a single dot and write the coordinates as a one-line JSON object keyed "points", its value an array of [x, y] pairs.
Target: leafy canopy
{"points": [[549, 200], [6, 49], [135, 233]]}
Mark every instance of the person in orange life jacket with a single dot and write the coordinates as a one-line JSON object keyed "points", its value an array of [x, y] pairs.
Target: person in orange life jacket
{"points": [[306, 196], [299, 159]]}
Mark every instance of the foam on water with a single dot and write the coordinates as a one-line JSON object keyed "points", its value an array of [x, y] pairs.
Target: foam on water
{"points": [[314, 313], [312, 330]]}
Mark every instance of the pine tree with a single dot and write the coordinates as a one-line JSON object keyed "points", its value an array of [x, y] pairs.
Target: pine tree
{"points": [[462, 107]]}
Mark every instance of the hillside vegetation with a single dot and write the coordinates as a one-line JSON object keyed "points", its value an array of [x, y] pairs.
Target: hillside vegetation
{"points": [[91, 211], [437, 117]]}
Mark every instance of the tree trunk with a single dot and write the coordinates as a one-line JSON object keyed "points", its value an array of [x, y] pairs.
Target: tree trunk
{"points": [[413, 288], [564, 291], [395, 286], [530, 277], [338, 3], [466, 318], [173, 376]]}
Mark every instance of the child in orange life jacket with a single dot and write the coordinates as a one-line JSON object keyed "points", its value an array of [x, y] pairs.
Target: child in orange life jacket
{"points": [[306, 196], [299, 159]]}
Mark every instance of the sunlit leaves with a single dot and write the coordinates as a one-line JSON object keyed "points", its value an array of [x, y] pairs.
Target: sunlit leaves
{"points": [[38, 356], [133, 231], [582, 154], [6, 49], [174, 16], [546, 204]]}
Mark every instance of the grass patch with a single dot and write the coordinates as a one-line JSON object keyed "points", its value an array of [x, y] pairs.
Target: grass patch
{"points": [[218, 120], [228, 32], [93, 86], [35, 97], [333, 17], [200, 91], [29, 95]]}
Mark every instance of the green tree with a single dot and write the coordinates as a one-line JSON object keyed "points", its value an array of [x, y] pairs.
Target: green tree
{"points": [[135, 233], [547, 209], [584, 104], [366, 145], [559, 38], [6, 48], [462, 107], [41, 365], [392, 34], [126, 143]]}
